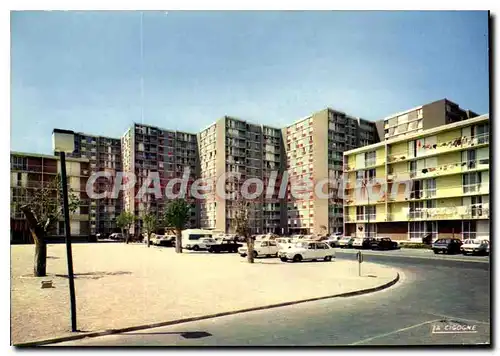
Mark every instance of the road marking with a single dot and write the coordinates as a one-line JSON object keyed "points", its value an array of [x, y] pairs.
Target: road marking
{"points": [[423, 257], [393, 332]]}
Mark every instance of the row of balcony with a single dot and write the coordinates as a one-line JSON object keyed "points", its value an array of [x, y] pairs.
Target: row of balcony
{"points": [[442, 192], [467, 212]]}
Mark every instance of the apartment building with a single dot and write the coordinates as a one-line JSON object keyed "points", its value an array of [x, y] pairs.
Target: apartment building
{"points": [[147, 149], [104, 154], [30, 172], [314, 152], [231, 145], [446, 194], [424, 117]]}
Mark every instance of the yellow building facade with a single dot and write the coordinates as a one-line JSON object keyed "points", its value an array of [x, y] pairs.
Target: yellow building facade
{"points": [[434, 183]]}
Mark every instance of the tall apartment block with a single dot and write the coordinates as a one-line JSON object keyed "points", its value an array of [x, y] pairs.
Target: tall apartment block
{"points": [[147, 149], [424, 117], [30, 172], [314, 151], [104, 154], [448, 168], [231, 145]]}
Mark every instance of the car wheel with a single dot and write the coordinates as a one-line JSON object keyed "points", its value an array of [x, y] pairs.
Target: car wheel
{"points": [[436, 251], [283, 259], [255, 254], [196, 248], [243, 254], [297, 258], [328, 258]]}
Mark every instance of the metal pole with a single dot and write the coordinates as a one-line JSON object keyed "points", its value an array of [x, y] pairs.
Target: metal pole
{"points": [[69, 254], [142, 67]]}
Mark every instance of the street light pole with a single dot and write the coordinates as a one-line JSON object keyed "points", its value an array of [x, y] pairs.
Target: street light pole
{"points": [[68, 241]]}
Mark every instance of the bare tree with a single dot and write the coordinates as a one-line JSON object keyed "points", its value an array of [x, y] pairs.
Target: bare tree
{"points": [[242, 226], [43, 210]]}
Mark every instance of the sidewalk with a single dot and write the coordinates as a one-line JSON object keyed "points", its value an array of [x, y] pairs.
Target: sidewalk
{"points": [[120, 286]]}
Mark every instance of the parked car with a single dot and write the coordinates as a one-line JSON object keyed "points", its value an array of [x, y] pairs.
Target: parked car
{"points": [[334, 241], [201, 244], [307, 250], [261, 248], [346, 242], [475, 246], [117, 236], [225, 246], [284, 242], [449, 246], [363, 243], [164, 240], [384, 243]]}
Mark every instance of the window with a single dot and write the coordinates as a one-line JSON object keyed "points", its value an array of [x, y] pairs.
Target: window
{"points": [[416, 210], [471, 159], [416, 192], [483, 155], [430, 188], [417, 230], [370, 158], [469, 229], [482, 132], [371, 212], [413, 168], [476, 206], [471, 182]]}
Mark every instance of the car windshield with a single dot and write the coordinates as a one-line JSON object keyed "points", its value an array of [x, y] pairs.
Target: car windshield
{"points": [[470, 241]]}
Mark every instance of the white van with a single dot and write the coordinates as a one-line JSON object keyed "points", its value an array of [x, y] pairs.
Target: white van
{"points": [[195, 239]]}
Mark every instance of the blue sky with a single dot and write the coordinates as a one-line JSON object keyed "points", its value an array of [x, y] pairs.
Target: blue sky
{"points": [[81, 70]]}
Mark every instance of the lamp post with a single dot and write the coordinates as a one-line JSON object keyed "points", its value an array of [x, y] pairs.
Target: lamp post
{"points": [[64, 141]]}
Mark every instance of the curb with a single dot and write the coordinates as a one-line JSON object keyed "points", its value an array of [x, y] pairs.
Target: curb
{"points": [[203, 317]]}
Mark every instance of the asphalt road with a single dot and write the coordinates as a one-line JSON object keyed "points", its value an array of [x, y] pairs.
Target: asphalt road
{"points": [[435, 298]]}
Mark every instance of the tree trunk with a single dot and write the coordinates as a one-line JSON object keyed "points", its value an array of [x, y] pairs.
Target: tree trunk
{"points": [[250, 257], [38, 234], [125, 232], [40, 269], [178, 241], [148, 239]]}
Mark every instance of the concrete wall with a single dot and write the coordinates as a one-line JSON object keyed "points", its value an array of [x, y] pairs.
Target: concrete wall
{"points": [[220, 169], [320, 167]]}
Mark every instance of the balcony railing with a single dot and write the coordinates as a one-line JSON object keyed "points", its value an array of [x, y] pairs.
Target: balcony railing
{"points": [[455, 143], [475, 211], [450, 168]]}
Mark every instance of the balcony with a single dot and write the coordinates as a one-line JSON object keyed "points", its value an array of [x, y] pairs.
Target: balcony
{"points": [[456, 144], [476, 211]]}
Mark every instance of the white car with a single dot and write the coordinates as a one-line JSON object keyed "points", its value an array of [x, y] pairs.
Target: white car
{"points": [[116, 236], [201, 244], [284, 242], [357, 243], [346, 242], [476, 246], [261, 248], [307, 250]]}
